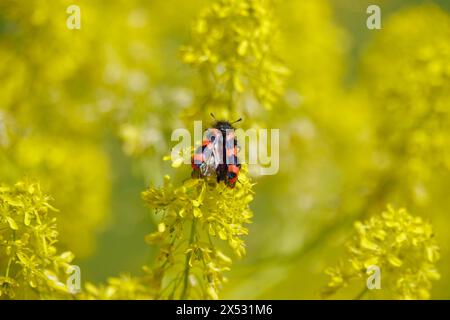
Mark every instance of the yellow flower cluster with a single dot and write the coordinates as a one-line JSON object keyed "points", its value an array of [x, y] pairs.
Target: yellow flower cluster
{"points": [[401, 245], [195, 217], [54, 162], [46, 126], [30, 265], [233, 48]]}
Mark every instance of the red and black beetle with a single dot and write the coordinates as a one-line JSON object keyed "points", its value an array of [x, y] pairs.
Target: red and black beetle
{"points": [[218, 154]]}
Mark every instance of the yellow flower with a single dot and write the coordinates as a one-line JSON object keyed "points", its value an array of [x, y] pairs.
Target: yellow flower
{"points": [[233, 48], [66, 168], [401, 245], [196, 218], [29, 261]]}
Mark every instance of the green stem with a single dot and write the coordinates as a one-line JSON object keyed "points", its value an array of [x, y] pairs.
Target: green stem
{"points": [[8, 267], [187, 266], [361, 294]]}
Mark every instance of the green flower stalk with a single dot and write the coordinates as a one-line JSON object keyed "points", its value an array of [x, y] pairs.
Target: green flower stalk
{"points": [[30, 265], [196, 219], [233, 48], [401, 245]]}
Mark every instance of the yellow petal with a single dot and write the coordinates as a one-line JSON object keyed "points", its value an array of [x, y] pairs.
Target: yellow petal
{"points": [[401, 237], [242, 49], [372, 261], [197, 212], [177, 163], [161, 227], [212, 293], [395, 261], [367, 244], [27, 219], [12, 223], [222, 234]]}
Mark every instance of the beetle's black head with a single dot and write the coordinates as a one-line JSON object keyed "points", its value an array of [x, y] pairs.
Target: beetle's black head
{"points": [[223, 125]]}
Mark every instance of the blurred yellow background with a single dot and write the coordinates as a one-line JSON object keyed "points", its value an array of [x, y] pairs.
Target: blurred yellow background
{"points": [[364, 122]]}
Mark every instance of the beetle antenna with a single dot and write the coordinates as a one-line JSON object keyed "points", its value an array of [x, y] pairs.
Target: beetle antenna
{"points": [[240, 119], [212, 115]]}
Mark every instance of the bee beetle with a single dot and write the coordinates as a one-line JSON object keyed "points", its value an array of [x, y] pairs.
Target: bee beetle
{"points": [[218, 154]]}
